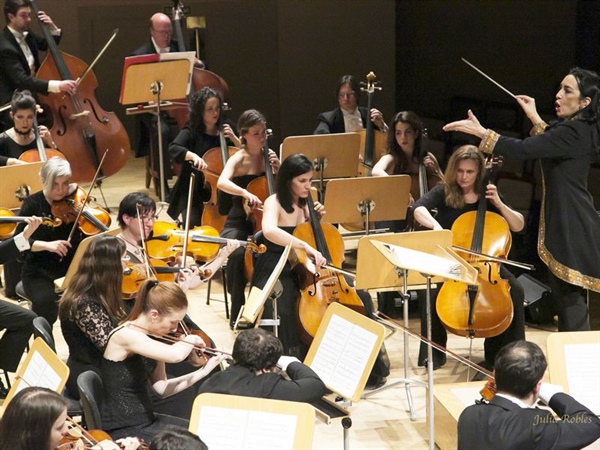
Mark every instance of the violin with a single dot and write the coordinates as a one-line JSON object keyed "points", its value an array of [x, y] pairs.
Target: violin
{"points": [[91, 220], [79, 124], [167, 241], [320, 289], [78, 438], [40, 153], [483, 310], [9, 221], [135, 275]]}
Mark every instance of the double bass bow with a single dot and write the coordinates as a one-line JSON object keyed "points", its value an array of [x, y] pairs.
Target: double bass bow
{"points": [[81, 128], [325, 286]]}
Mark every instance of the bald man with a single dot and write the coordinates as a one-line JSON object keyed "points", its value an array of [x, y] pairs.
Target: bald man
{"points": [[161, 33]]}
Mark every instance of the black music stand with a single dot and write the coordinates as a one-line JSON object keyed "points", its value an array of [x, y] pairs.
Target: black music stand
{"points": [[369, 199], [332, 155], [155, 78]]}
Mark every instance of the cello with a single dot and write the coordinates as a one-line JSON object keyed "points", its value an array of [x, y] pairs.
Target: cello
{"points": [[79, 124], [40, 153], [485, 310], [320, 289], [200, 77]]}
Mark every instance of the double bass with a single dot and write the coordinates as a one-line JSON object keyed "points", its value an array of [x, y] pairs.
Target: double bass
{"points": [[483, 310], [319, 290], [81, 128]]}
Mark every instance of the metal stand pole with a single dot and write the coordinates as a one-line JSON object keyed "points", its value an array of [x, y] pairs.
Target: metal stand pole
{"points": [[430, 368], [406, 381], [156, 89]]}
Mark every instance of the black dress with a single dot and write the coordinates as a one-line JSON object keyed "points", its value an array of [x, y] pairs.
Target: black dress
{"points": [[42, 268], [199, 144], [10, 149], [264, 264], [435, 199], [237, 226], [127, 405]]}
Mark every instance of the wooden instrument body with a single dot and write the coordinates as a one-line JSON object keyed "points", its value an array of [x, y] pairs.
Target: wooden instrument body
{"points": [[167, 242], [80, 125], [492, 308], [215, 160], [318, 290]]}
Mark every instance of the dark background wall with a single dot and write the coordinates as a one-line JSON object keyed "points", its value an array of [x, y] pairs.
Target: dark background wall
{"points": [[283, 56]]}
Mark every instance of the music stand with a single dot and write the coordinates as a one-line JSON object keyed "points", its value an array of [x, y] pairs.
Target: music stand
{"points": [[12, 178], [332, 155], [428, 254], [154, 78], [351, 200], [253, 308]]}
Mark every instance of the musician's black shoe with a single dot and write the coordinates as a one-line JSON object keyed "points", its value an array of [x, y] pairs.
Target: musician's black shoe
{"points": [[375, 383], [3, 391]]}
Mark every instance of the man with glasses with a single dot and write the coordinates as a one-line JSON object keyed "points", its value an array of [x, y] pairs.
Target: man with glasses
{"points": [[348, 116]]}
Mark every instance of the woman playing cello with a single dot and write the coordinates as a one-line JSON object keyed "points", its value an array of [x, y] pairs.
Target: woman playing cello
{"points": [[459, 194], [569, 238], [199, 136], [241, 168], [21, 137], [282, 212]]}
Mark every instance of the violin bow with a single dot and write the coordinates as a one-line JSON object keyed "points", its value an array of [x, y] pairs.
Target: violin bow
{"points": [[395, 324], [188, 215], [87, 196], [149, 272]]}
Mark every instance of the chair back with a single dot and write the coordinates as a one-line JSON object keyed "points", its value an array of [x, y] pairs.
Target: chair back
{"points": [[41, 328], [91, 395]]}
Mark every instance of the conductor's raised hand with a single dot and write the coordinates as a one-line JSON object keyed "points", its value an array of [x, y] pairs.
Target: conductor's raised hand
{"points": [[470, 125], [527, 104]]}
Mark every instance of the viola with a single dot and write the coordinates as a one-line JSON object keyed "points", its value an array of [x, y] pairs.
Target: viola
{"points": [[214, 213], [320, 289], [483, 310], [78, 438], [80, 126], [9, 221], [40, 153], [250, 246], [167, 242], [91, 220]]}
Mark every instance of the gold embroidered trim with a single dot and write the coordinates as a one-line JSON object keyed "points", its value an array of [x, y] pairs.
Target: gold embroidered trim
{"points": [[488, 142], [563, 272], [538, 128]]}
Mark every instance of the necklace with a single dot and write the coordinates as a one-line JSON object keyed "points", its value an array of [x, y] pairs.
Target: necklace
{"points": [[136, 248]]}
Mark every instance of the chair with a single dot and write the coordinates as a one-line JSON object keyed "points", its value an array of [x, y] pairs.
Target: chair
{"points": [[224, 281], [42, 329], [91, 393], [20, 291]]}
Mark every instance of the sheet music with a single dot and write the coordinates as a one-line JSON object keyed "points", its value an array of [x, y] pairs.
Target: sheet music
{"points": [[423, 262], [583, 372], [342, 356], [39, 373], [254, 430]]}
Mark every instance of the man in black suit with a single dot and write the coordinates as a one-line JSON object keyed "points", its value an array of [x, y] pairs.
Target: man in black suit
{"points": [[510, 420], [19, 58], [16, 320], [348, 116], [257, 361]]}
